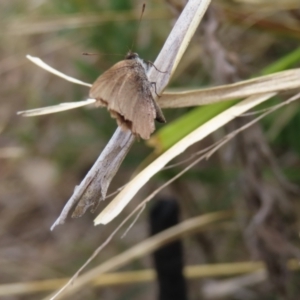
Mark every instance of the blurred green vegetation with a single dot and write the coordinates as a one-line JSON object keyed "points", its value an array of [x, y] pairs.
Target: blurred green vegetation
{"points": [[56, 151]]}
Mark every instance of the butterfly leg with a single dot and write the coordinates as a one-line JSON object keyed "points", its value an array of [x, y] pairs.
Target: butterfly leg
{"points": [[148, 62], [154, 84], [159, 115]]}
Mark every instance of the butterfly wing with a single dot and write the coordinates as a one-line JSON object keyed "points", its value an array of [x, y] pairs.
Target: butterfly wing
{"points": [[126, 91]]}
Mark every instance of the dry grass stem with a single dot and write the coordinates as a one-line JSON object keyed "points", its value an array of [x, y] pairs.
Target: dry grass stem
{"points": [[55, 108], [147, 275]]}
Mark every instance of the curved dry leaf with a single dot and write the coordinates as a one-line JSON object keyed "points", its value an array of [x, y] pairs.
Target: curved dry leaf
{"points": [[46, 67]]}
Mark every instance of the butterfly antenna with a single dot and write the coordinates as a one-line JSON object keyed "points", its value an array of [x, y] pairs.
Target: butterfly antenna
{"points": [[89, 54], [93, 54], [142, 12]]}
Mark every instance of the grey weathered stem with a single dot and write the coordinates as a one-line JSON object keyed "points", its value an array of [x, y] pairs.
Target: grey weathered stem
{"points": [[95, 184]]}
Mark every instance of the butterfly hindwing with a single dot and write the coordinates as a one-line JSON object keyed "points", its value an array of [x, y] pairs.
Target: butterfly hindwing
{"points": [[126, 91]]}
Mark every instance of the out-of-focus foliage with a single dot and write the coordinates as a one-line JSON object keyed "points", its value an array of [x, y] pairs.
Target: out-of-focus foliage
{"points": [[43, 158]]}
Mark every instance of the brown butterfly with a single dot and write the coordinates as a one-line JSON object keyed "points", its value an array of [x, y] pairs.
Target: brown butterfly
{"points": [[125, 90]]}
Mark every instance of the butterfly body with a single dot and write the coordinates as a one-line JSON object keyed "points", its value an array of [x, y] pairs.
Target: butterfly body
{"points": [[125, 90]]}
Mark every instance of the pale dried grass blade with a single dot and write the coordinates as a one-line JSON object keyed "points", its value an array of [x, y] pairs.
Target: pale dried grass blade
{"points": [[177, 42], [146, 275], [55, 108], [125, 196], [276, 82], [46, 67]]}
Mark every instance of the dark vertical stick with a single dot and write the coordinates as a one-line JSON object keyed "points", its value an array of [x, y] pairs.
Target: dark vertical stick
{"points": [[168, 260]]}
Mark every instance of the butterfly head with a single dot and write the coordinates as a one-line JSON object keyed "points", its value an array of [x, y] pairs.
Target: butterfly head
{"points": [[131, 55], [135, 57]]}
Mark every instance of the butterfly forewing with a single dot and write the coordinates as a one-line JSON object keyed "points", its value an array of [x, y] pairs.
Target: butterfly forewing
{"points": [[126, 91]]}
